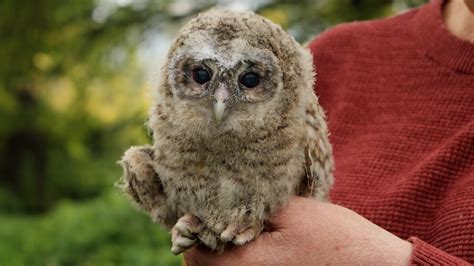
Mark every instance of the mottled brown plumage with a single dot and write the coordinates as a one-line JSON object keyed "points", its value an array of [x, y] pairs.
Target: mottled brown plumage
{"points": [[226, 155]]}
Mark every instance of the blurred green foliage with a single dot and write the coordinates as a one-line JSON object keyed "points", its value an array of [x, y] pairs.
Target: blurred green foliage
{"points": [[102, 231], [74, 96]]}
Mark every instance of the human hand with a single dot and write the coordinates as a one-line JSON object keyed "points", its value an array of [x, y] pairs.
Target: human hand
{"points": [[307, 232]]}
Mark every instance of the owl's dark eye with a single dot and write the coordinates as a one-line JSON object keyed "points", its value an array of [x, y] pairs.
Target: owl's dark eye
{"points": [[201, 76], [250, 80]]}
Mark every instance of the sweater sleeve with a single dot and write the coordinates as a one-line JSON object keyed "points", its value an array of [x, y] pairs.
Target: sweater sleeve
{"points": [[426, 254]]}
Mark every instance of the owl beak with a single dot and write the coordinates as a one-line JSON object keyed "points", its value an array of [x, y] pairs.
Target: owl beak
{"points": [[221, 95]]}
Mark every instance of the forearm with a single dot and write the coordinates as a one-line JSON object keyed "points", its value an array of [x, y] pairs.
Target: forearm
{"points": [[308, 232], [358, 241]]}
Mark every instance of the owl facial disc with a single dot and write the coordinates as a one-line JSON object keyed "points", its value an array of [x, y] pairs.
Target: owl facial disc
{"points": [[221, 95]]}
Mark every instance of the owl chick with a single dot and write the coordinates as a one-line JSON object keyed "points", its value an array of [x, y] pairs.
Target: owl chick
{"points": [[237, 131]]}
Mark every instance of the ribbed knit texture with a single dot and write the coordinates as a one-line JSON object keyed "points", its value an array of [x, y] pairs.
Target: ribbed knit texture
{"points": [[399, 96]]}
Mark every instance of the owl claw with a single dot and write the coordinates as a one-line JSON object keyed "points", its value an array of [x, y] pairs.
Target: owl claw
{"points": [[180, 243], [239, 235], [210, 240], [247, 235], [229, 233], [189, 225], [183, 234]]}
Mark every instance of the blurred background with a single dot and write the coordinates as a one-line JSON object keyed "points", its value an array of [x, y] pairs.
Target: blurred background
{"points": [[75, 82]]}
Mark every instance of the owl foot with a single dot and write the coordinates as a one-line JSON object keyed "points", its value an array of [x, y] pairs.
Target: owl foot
{"points": [[188, 230], [240, 235], [183, 234], [209, 239], [180, 243]]}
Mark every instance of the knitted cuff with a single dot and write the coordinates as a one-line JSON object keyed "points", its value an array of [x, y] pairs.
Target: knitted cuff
{"points": [[425, 254]]}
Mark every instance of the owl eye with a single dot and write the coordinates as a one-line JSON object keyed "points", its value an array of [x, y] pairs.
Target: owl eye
{"points": [[250, 80], [201, 75]]}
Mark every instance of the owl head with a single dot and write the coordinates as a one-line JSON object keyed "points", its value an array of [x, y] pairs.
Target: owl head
{"points": [[229, 68]]}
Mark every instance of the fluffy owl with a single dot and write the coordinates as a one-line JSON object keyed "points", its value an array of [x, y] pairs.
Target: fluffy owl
{"points": [[237, 131]]}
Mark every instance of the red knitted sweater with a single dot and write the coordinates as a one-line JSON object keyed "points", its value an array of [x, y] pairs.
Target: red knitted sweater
{"points": [[399, 96]]}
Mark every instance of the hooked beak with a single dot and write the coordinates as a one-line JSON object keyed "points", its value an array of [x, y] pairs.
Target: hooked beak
{"points": [[221, 95]]}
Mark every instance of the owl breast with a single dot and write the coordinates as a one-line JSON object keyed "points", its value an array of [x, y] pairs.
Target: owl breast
{"points": [[210, 176]]}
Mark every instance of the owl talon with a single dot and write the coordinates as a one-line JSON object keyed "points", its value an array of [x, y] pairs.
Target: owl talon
{"points": [[176, 250], [229, 233], [218, 228], [180, 243], [247, 235], [210, 240], [183, 234], [189, 225], [239, 235]]}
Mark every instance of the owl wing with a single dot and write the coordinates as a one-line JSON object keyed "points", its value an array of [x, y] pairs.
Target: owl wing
{"points": [[319, 162], [142, 184]]}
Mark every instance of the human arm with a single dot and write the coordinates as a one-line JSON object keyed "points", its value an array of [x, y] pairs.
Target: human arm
{"points": [[426, 254], [309, 232]]}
